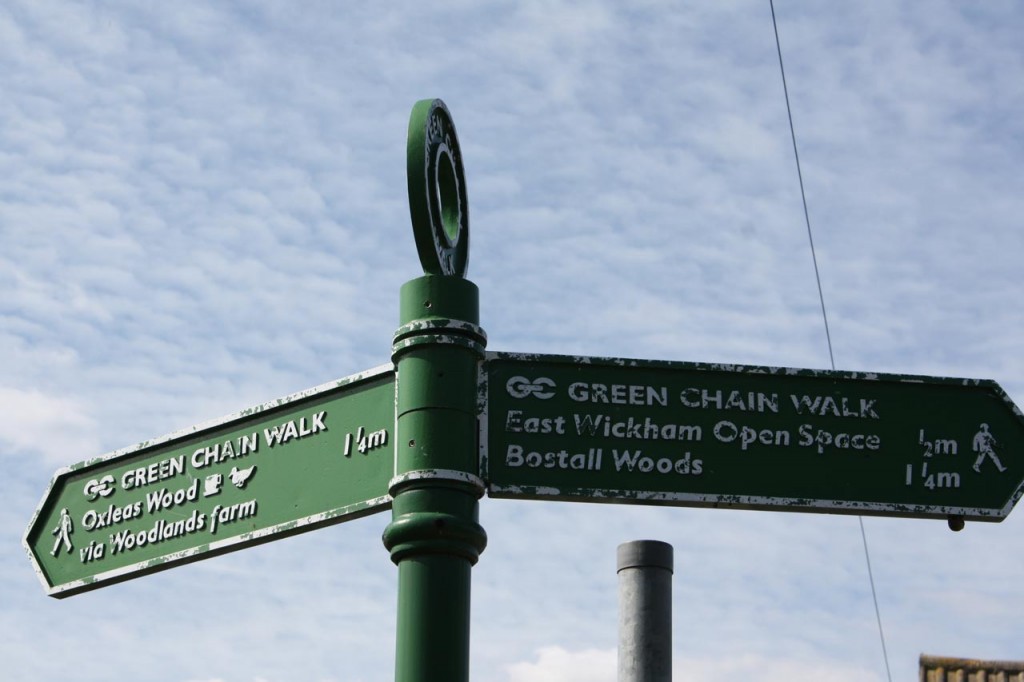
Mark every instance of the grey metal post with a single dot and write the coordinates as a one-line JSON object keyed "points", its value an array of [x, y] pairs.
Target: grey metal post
{"points": [[645, 611]]}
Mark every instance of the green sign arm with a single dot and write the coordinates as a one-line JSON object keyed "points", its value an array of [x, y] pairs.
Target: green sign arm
{"points": [[311, 459], [713, 435]]}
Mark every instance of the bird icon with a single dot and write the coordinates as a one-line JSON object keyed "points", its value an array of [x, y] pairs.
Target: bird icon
{"points": [[241, 476]]}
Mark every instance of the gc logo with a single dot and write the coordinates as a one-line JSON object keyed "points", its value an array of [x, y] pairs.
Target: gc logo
{"points": [[96, 489], [521, 387]]}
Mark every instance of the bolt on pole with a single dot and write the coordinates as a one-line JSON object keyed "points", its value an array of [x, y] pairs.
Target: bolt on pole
{"points": [[645, 611]]}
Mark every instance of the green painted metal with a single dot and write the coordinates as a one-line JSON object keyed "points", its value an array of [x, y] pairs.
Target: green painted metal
{"points": [[437, 190], [687, 434], [291, 465], [435, 537]]}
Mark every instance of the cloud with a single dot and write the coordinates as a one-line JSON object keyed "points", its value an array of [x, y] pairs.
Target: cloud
{"points": [[51, 427], [555, 664], [768, 669]]}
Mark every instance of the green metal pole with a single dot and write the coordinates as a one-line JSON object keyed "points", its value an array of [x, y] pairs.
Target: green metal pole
{"points": [[434, 536]]}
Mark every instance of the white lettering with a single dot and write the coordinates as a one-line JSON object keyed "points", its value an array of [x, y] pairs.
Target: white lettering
{"points": [[93, 519], [749, 401], [827, 406], [157, 471], [632, 428], [822, 440], [619, 394], [232, 513], [127, 540], [159, 500], [290, 430], [726, 432], [562, 459], [516, 423], [220, 452], [630, 461]]}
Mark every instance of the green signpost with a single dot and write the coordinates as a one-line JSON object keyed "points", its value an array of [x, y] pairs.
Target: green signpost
{"points": [[449, 422], [613, 430], [305, 461]]}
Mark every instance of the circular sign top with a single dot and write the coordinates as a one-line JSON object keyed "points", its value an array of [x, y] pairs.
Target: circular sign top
{"points": [[437, 190]]}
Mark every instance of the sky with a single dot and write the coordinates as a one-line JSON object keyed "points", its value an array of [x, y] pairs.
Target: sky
{"points": [[203, 207]]}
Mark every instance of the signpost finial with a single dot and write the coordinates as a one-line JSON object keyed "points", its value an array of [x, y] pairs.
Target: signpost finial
{"points": [[437, 190]]}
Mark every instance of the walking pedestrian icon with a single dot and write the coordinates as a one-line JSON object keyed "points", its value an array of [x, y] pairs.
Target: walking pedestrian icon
{"points": [[984, 444], [63, 532]]}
